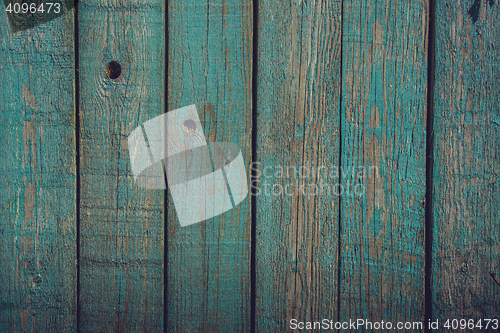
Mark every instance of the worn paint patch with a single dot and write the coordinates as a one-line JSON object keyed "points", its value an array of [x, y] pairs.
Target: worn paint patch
{"points": [[29, 97]]}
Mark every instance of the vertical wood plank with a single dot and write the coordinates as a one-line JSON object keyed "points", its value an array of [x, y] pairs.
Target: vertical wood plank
{"points": [[210, 65], [384, 132], [466, 242], [122, 225], [298, 96], [37, 178]]}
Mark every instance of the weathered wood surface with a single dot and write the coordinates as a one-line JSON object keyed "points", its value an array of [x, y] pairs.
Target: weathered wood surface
{"points": [[208, 264], [384, 106], [339, 83], [122, 225], [37, 178], [466, 245], [298, 97]]}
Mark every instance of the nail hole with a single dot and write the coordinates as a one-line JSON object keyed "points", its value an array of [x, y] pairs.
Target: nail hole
{"points": [[114, 70], [189, 126], [38, 279]]}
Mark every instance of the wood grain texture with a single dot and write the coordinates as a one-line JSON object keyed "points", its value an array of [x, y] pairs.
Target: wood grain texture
{"points": [[37, 178], [122, 225], [298, 96], [384, 127], [210, 65], [466, 242]]}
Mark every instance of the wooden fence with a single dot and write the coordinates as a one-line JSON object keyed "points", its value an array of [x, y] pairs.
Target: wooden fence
{"points": [[409, 91]]}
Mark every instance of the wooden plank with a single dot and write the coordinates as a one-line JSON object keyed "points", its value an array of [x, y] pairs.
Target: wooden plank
{"points": [[466, 238], [384, 134], [210, 65], [122, 225], [37, 178], [298, 96]]}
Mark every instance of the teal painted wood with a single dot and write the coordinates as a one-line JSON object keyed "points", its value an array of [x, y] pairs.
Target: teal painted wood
{"points": [[122, 225], [384, 128], [466, 241], [298, 96], [210, 65], [37, 178]]}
